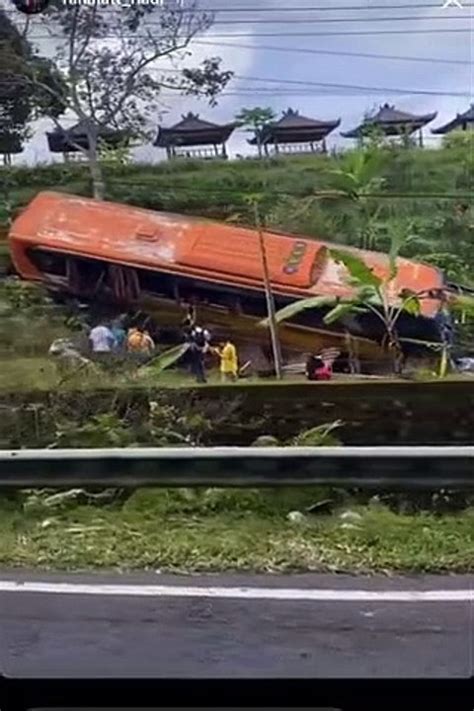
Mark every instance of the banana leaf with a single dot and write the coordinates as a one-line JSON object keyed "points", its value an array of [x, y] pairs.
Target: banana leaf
{"points": [[166, 359], [314, 302], [411, 303], [412, 307], [369, 295], [356, 267], [342, 310]]}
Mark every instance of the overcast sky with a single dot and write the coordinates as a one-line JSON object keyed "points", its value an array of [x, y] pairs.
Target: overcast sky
{"points": [[275, 69]]}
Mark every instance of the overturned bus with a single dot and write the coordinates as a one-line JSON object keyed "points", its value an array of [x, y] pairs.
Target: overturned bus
{"points": [[156, 262]]}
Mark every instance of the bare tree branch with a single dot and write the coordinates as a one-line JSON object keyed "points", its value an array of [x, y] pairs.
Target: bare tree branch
{"points": [[106, 64]]}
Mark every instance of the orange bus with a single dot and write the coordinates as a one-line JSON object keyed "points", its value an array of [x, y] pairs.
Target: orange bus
{"points": [[157, 261]]}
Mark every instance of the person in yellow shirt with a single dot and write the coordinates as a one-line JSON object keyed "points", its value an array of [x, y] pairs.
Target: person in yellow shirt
{"points": [[229, 366]]}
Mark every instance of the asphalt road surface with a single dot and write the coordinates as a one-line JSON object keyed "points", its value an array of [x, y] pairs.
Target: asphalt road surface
{"points": [[153, 625]]}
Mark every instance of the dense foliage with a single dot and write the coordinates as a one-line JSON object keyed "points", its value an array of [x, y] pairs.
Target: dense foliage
{"points": [[20, 100]]}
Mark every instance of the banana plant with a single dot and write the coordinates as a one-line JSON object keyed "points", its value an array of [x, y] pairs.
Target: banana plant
{"points": [[356, 181], [360, 174], [371, 295]]}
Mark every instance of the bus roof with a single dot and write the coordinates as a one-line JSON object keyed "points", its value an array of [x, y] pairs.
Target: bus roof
{"points": [[191, 245]]}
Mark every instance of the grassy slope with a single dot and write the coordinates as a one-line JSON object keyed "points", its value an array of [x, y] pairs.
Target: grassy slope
{"points": [[216, 189], [39, 373]]}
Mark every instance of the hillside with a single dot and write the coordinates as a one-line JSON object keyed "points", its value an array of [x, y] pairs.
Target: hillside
{"points": [[422, 195]]}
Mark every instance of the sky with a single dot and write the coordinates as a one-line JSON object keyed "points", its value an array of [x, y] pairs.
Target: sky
{"points": [[284, 69]]}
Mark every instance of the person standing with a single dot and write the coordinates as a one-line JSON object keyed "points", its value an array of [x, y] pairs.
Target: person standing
{"points": [[119, 334], [189, 321], [229, 367], [101, 340], [140, 344], [199, 344]]}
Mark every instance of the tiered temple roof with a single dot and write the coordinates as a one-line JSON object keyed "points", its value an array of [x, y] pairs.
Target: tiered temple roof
{"points": [[461, 121], [294, 128], [67, 141], [392, 122], [193, 131]]}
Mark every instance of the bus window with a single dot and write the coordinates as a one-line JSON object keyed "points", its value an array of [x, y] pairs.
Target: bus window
{"points": [[48, 262]]}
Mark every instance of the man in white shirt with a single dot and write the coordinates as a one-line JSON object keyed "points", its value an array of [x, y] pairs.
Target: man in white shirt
{"points": [[101, 339]]}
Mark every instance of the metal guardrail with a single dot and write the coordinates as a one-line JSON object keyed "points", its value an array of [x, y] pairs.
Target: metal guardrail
{"points": [[369, 467]]}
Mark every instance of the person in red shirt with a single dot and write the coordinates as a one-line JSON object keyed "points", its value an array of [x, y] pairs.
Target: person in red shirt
{"points": [[316, 369]]}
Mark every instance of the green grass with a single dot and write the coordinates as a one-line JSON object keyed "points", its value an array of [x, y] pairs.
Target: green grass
{"points": [[27, 373], [40, 373], [186, 530]]}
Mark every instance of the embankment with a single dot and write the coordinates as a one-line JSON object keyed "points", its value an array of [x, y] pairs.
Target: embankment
{"points": [[373, 413]]}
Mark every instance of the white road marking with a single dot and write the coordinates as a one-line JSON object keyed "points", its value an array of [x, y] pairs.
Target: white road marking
{"points": [[239, 593]]}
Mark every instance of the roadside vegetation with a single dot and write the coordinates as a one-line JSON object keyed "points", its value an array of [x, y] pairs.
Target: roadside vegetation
{"points": [[331, 197], [213, 530], [209, 529], [371, 198]]}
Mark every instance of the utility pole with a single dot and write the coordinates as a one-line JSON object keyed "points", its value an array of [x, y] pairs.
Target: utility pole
{"points": [[269, 297]]}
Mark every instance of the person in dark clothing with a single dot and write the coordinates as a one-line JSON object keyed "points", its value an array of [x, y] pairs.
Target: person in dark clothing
{"points": [[199, 343], [189, 321]]}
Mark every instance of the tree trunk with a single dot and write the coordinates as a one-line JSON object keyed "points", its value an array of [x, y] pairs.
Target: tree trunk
{"points": [[269, 299], [353, 357], [443, 365], [95, 169], [98, 187], [393, 346]]}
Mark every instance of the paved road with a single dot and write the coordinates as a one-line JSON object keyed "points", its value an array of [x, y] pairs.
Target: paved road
{"points": [[243, 626]]}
